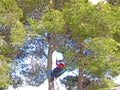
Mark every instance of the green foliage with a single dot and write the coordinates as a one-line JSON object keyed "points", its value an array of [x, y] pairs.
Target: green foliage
{"points": [[85, 20], [114, 2], [106, 84], [4, 69], [116, 36], [88, 20], [9, 12], [4, 66], [53, 22], [78, 17], [36, 27], [115, 11], [9, 18], [28, 7], [114, 64], [18, 33], [14, 30], [103, 48], [9, 9], [99, 23]]}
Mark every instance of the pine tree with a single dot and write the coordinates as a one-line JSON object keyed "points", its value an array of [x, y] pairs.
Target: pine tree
{"points": [[52, 23], [94, 22], [12, 34]]}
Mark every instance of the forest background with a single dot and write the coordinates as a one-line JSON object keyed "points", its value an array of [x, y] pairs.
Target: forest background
{"points": [[87, 35]]}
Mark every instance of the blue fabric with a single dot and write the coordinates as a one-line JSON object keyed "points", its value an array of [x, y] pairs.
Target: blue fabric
{"points": [[61, 72], [50, 72], [56, 72]]}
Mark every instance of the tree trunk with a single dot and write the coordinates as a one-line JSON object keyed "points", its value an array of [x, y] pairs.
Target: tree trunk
{"points": [[81, 68], [6, 35], [49, 64], [80, 78], [62, 4], [58, 4], [55, 5], [51, 83]]}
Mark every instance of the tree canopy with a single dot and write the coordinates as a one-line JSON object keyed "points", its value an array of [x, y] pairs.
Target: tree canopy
{"points": [[87, 34], [12, 34]]}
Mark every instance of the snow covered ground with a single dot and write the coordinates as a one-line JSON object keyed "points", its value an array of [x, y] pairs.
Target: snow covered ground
{"points": [[58, 85], [96, 1], [44, 86], [117, 80]]}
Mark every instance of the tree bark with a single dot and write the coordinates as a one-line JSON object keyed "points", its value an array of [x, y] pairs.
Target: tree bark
{"points": [[80, 78], [52, 47], [51, 83], [81, 68], [6, 35], [58, 4], [49, 64]]}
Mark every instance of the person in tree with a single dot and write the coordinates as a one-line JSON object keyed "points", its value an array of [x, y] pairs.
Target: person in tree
{"points": [[58, 70]]}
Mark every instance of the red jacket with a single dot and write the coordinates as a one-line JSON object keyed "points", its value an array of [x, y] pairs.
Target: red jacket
{"points": [[60, 65]]}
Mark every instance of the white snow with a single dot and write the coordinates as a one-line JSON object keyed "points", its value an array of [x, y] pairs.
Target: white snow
{"points": [[57, 84], [44, 86], [117, 80], [96, 1]]}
